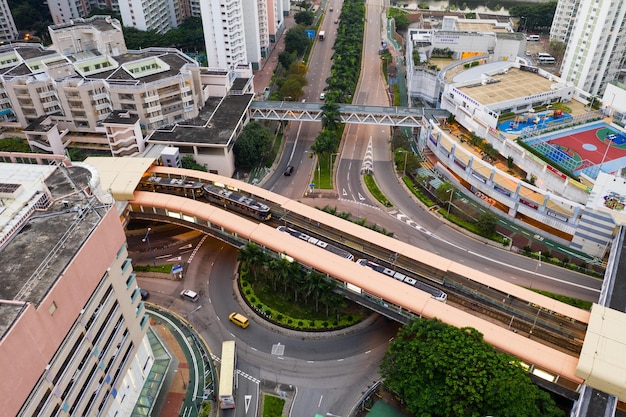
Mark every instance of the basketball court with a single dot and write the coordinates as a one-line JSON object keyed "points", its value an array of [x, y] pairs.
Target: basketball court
{"points": [[585, 149]]}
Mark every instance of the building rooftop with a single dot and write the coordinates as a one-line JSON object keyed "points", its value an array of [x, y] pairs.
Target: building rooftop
{"points": [[102, 23], [171, 60], [121, 117], [37, 245], [215, 125], [509, 84]]}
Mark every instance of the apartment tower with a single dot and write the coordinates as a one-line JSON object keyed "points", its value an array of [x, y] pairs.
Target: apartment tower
{"points": [[595, 37], [73, 334]]}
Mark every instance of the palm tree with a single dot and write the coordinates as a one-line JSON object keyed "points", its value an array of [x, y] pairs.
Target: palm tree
{"points": [[280, 271], [252, 258]]}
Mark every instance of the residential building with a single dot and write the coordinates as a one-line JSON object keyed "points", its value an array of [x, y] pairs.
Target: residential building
{"points": [[224, 33], [562, 23], [8, 30], [157, 15], [73, 334], [595, 37], [63, 96]]}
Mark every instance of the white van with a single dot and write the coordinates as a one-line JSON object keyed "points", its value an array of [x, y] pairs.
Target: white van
{"points": [[189, 295], [532, 38]]}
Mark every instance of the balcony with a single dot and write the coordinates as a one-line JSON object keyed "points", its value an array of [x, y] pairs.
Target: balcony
{"points": [[155, 119], [49, 104], [153, 109], [47, 94], [99, 96], [151, 98]]}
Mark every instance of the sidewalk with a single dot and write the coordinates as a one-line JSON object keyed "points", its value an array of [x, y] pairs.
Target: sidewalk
{"points": [[263, 76]]}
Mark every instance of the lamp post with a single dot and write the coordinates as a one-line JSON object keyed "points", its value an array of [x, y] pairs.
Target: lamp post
{"points": [[525, 20], [146, 238], [406, 154], [451, 191]]}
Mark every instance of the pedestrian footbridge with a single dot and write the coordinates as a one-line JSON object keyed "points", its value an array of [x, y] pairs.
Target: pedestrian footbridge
{"points": [[348, 113]]}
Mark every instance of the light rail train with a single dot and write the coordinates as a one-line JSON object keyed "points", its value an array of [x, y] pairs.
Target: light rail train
{"points": [[435, 293], [216, 193], [317, 242]]}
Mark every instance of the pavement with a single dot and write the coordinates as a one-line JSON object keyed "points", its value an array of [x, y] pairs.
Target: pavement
{"points": [[263, 76]]}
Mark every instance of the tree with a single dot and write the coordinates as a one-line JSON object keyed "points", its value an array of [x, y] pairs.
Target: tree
{"points": [[292, 87], [296, 40], [331, 118], [13, 144], [439, 370], [304, 18], [557, 49], [487, 223], [443, 192], [252, 146], [188, 162], [286, 59]]}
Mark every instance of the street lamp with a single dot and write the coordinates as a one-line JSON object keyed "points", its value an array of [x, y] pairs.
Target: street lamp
{"points": [[451, 191], [146, 238], [525, 20]]}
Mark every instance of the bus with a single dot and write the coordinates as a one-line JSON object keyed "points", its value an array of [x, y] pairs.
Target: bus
{"points": [[227, 375]]}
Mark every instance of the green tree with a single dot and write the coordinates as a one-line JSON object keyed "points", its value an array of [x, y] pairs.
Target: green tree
{"points": [[252, 259], [296, 40], [14, 145], [331, 118], [402, 23], [487, 223], [286, 59], [292, 88], [304, 18], [253, 145], [443, 192], [188, 162], [439, 370], [325, 143], [537, 16], [557, 49]]}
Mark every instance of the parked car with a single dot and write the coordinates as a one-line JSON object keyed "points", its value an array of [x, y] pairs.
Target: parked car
{"points": [[189, 295], [322, 96]]}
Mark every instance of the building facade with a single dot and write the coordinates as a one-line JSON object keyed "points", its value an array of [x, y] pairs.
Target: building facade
{"points": [[73, 339], [8, 30], [595, 37], [63, 95]]}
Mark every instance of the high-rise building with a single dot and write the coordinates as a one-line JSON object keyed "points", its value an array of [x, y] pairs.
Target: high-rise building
{"points": [[595, 35], [8, 31], [73, 334], [224, 33], [157, 15]]}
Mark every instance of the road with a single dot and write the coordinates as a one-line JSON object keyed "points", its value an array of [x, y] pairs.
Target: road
{"points": [[329, 373]]}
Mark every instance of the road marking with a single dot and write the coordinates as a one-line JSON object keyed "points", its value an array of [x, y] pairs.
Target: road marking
{"points": [[344, 192], [361, 197], [339, 360], [163, 256], [319, 404], [310, 361], [177, 258], [367, 351], [247, 399], [189, 246]]}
